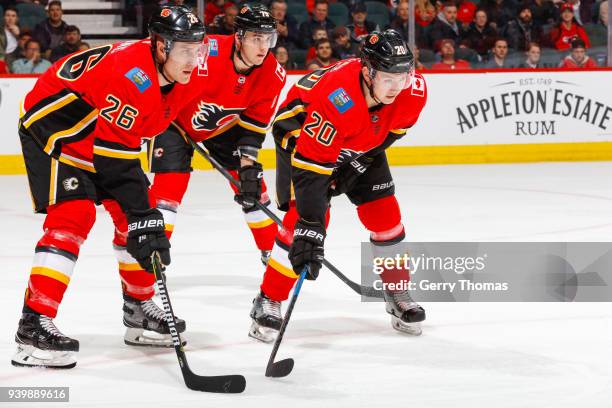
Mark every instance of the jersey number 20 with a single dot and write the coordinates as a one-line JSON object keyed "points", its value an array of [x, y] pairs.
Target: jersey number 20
{"points": [[322, 131]]}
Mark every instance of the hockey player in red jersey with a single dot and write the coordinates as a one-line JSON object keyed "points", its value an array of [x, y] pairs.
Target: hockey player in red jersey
{"points": [[81, 128], [230, 116], [331, 134]]}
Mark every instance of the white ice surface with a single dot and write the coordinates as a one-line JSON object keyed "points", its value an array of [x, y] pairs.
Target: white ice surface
{"points": [[470, 355]]}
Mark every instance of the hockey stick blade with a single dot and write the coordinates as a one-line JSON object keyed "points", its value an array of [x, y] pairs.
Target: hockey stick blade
{"points": [[280, 368], [360, 289], [227, 384], [284, 367]]}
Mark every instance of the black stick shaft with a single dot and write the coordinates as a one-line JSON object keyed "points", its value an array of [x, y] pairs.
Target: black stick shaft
{"points": [[360, 289]]}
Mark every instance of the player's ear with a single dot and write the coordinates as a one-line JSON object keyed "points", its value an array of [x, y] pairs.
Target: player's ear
{"points": [[160, 55], [366, 75], [237, 41]]}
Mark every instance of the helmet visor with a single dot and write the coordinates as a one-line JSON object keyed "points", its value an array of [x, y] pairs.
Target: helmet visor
{"points": [[189, 53], [260, 39], [389, 82]]}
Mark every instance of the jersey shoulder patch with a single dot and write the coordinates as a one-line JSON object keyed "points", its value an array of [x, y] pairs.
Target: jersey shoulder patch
{"points": [[139, 78], [341, 100], [418, 85]]}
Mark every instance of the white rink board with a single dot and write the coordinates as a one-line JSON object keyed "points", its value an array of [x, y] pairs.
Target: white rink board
{"points": [[519, 108]]}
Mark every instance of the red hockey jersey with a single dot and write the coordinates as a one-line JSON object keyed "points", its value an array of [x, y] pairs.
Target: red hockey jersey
{"points": [[335, 126], [92, 109], [227, 98]]}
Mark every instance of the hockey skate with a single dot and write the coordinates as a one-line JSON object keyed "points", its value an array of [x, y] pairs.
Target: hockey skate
{"points": [[406, 314], [267, 319], [146, 324], [265, 256], [41, 344]]}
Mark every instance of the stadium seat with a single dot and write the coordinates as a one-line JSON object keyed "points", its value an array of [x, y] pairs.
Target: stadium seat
{"points": [[378, 13], [598, 34], [299, 57], [467, 54], [426, 56], [551, 58], [30, 14], [298, 11], [339, 14]]}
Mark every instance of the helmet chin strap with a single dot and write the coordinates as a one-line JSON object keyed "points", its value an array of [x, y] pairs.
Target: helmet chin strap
{"points": [[160, 66], [371, 88]]}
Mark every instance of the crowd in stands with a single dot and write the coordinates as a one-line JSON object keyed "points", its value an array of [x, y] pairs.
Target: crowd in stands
{"points": [[450, 34], [29, 45]]}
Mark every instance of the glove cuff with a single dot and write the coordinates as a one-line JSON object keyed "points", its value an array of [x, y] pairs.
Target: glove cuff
{"points": [[141, 222]]}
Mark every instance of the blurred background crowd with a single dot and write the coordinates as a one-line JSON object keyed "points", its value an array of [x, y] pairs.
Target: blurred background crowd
{"points": [[448, 34]]}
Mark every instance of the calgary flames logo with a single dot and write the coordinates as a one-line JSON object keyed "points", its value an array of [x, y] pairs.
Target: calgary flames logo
{"points": [[373, 39], [244, 9], [211, 116], [165, 12]]}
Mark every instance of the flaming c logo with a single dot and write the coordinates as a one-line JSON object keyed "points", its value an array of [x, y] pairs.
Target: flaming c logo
{"points": [[373, 39], [165, 12], [244, 10]]}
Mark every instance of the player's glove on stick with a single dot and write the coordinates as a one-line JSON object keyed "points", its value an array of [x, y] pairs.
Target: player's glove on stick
{"points": [[347, 175], [307, 248], [251, 177], [146, 235]]}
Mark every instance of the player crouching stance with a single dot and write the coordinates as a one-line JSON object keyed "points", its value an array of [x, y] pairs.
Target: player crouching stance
{"points": [[331, 133], [81, 128], [238, 92]]}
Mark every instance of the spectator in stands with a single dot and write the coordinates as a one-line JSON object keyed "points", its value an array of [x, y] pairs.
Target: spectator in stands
{"points": [[33, 62], [323, 57], [343, 46], [424, 12], [360, 26], [603, 13], [417, 59], [578, 57], [400, 21], [317, 19], [568, 30], [50, 32], [224, 23], [445, 25], [500, 12], [465, 12], [317, 34], [19, 52], [533, 54], [214, 8], [447, 58], [282, 56], [583, 11], [72, 39], [499, 54], [480, 36], [84, 46], [285, 25], [544, 12], [9, 34], [521, 31]]}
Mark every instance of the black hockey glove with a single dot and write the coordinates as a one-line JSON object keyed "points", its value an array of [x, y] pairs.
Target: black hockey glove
{"points": [[307, 248], [250, 185], [347, 175], [146, 235]]}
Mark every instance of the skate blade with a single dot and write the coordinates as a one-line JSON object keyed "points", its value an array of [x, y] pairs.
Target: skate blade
{"points": [[263, 334], [147, 338], [30, 356], [413, 329]]}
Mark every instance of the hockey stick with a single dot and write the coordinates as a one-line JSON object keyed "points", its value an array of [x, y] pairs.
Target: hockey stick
{"points": [[360, 289], [284, 367], [229, 384]]}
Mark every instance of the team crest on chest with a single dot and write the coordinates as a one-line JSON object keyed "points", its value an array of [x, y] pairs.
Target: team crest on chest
{"points": [[211, 116]]}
